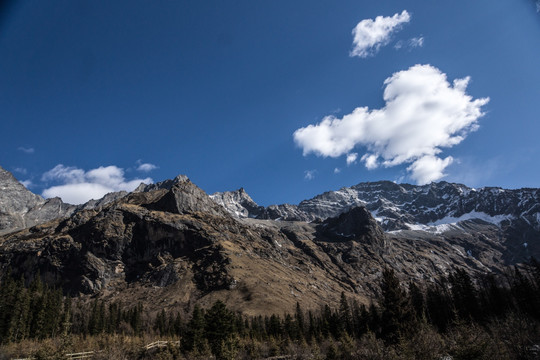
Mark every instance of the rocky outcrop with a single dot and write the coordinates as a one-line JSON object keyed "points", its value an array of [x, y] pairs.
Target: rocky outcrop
{"points": [[170, 245], [20, 208], [429, 210], [238, 203]]}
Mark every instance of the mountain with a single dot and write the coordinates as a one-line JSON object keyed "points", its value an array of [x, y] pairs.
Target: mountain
{"points": [[170, 245], [20, 208], [434, 209]]}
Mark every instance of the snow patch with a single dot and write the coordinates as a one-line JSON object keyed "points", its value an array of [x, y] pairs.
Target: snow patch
{"points": [[497, 219]]}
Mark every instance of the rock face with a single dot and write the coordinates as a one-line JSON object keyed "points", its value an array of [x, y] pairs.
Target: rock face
{"points": [[404, 206], [178, 244], [429, 210], [238, 203], [20, 208], [170, 245]]}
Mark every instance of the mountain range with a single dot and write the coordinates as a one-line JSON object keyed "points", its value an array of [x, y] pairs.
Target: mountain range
{"points": [[171, 245]]}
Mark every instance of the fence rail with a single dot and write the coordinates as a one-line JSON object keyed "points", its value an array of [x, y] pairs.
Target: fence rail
{"points": [[89, 354]]}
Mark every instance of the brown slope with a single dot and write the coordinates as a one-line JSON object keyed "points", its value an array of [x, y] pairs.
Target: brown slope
{"points": [[172, 247]]}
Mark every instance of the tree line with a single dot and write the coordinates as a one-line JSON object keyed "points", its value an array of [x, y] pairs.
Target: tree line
{"points": [[35, 311]]}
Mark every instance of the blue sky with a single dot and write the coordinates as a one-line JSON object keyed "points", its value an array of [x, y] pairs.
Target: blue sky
{"points": [[272, 96]]}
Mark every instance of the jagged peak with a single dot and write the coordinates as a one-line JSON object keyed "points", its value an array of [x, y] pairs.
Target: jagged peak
{"points": [[165, 184]]}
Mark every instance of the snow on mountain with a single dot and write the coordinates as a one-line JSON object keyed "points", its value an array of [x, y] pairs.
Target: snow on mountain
{"points": [[404, 206]]}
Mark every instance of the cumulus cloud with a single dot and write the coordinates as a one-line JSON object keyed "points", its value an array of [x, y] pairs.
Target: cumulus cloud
{"points": [[78, 186], [370, 35], [423, 113], [309, 174], [351, 158], [145, 167], [337, 170], [26, 150]]}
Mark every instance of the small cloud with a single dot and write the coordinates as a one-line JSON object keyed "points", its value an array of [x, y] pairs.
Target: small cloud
{"points": [[370, 160], [410, 44], [538, 6], [309, 174], [21, 170], [145, 167], [77, 186], [423, 113], [337, 170], [416, 42], [428, 168], [27, 183], [351, 158], [26, 150], [370, 35]]}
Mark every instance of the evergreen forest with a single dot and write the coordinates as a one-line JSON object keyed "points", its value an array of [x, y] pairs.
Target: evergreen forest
{"points": [[454, 317]]}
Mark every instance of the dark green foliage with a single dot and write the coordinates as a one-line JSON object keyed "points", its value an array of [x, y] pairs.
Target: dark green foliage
{"points": [[194, 338], [417, 300], [451, 316], [397, 312], [439, 306], [464, 295], [344, 316], [219, 327], [300, 323]]}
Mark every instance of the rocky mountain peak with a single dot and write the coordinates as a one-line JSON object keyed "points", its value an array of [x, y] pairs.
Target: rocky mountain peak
{"points": [[238, 203], [185, 197], [15, 202], [14, 196], [356, 224], [166, 184]]}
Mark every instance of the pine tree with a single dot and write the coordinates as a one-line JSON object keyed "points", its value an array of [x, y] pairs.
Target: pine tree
{"points": [[417, 300], [396, 309], [19, 326], [300, 323], [194, 338], [464, 295], [8, 296], [219, 327], [345, 316]]}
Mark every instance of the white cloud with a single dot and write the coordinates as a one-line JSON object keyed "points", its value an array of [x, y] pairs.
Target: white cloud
{"points": [[410, 44], [538, 6], [145, 167], [423, 113], [369, 35], [416, 42], [27, 183], [351, 158], [78, 186], [21, 170], [429, 168], [27, 150], [309, 174], [337, 170]]}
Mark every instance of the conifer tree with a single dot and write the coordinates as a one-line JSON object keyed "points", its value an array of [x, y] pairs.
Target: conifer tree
{"points": [[417, 300], [219, 327], [396, 309], [345, 316], [194, 338], [300, 323]]}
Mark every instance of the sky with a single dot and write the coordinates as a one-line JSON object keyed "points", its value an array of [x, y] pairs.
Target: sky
{"points": [[286, 99]]}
